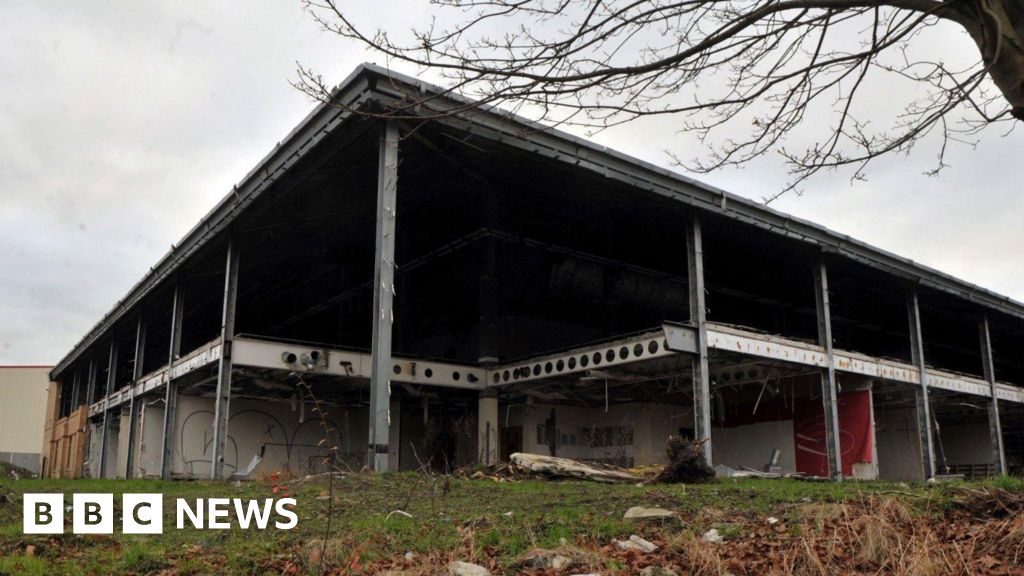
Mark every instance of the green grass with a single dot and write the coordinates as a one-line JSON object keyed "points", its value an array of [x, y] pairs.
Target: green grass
{"points": [[505, 519]]}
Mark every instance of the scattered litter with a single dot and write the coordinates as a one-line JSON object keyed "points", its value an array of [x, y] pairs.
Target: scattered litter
{"points": [[641, 513], [399, 512], [713, 536], [460, 568], [554, 467], [409, 556], [636, 543], [686, 463], [508, 514], [772, 520]]}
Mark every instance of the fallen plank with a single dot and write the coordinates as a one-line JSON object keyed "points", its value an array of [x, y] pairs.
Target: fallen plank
{"points": [[565, 468]]}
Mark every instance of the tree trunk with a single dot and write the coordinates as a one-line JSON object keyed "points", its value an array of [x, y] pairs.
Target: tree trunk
{"points": [[997, 27]]}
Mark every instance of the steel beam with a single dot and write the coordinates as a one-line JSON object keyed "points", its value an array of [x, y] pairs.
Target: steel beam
{"points": [[133, 406], [171, 392], [111, 375], [383, 298], [924, 411], [222, 407], [994, 426], [828, 373], [698, 318]]}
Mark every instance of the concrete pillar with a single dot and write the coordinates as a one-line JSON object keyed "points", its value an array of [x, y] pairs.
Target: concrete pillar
{"points": [[487, 423]]}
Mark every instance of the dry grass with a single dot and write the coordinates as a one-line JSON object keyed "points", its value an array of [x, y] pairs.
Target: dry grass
{"points": [[702, 558]]}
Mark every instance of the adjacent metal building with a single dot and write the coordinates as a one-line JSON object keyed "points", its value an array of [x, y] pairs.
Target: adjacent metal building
{"points": [[23, 394], [408, 280]]}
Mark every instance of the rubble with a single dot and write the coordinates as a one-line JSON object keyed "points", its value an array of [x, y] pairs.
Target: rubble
{"points": [[460, 568], [636, 543], [554, 467], [686, 463], [713, 536], [642, 513]]}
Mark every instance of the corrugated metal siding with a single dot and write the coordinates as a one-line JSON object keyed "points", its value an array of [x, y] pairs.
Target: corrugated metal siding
{"points": [[22, 408]]}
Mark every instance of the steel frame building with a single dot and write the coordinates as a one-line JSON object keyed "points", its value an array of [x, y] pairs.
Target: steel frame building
{"points": [[435, 262]]}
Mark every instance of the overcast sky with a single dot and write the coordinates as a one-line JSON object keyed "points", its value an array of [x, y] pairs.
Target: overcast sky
{"points": [[123, 122]]}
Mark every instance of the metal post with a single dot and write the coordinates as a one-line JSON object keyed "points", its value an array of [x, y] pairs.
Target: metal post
{"points": [[487, 427], [222, 409], [828, 374], [698, 318], [924, 411], [111, 376], [90, 379], [133, 403], [383, 298], [171, 393], [75, 390], [994, 426]]}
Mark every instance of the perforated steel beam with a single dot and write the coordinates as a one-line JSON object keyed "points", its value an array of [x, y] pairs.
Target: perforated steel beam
{"points": [[828, 373], [924, 411], [994, 425], [383, 298], [698, 318], [171, 391]]}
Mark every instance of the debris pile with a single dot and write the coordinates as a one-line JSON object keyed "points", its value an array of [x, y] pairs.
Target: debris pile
{"points": [[686, 463], [554, 467]]}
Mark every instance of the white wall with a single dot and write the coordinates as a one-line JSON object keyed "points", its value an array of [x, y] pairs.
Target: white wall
{"points": [[898, 445], [752, 445], [254, 425], [651, 425]]}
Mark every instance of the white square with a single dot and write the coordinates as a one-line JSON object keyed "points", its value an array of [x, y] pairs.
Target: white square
{"points": [[92, 514], [43, 514], [142, 514]]}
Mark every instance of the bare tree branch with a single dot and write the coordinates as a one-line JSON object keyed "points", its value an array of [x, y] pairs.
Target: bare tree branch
{"points": [[741, 75]]}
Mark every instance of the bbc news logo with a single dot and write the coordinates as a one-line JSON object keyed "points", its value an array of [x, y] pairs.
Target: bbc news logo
{"points": [[144, 513]]}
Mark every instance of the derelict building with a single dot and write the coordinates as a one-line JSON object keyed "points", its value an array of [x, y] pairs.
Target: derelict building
{"points": [[450, 290]]}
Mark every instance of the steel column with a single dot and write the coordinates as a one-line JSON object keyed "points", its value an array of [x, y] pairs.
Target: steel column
{"points": [[171, 393], [111, 375], [140, 348], [383, 298], [924, 411], [828, 373], [222, 408], [90, 385], [75, 391], [698, 318], [994, 426]]}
